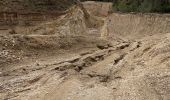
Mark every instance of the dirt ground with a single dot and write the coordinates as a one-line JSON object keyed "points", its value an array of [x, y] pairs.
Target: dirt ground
{"points": [[123, 57]]}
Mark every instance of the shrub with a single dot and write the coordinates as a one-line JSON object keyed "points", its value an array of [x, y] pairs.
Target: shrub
{"points": [[142, 6]]}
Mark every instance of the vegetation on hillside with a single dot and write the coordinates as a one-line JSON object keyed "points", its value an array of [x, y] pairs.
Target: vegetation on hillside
{"points": [[142, 6], [161, 6]]}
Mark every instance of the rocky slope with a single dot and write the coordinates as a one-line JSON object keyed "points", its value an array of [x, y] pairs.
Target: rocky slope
{"points": [[118, 57]]}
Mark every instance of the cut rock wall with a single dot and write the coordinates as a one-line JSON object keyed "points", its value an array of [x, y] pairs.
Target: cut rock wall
{"points": [[137, 25], [25, 19], [98, 8]]}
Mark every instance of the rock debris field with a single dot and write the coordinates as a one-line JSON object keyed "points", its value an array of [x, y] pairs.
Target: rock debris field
{"points": [[81, 56]]}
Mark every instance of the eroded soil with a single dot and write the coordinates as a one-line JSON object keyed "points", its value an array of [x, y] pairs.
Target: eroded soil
{"points": [[85, 66]]}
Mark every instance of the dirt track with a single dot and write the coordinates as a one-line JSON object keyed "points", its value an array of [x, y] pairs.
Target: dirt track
{"points": [[83, 66]]}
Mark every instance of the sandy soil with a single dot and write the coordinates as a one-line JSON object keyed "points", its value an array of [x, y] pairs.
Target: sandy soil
{"points": [[81, 65]]}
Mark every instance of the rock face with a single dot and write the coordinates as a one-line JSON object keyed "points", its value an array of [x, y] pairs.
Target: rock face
{"points": [[34, 5], [98, 8], [122, 25], [62, 60], [137, 25], [11, 19], [30, 12]]}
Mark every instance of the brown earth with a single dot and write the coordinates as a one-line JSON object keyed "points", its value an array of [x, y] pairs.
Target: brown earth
{"points": [[26, 13], [34, 5], [80, 57]]}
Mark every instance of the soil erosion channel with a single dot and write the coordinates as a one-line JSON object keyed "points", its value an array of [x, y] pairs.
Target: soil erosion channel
{"points": [[86, 56]]}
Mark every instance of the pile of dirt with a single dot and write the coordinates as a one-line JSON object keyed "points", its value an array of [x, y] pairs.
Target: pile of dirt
{"points": [[17, 48], [64, 60], [69, 31], [75, 22], [137, 70], [69, 24]]}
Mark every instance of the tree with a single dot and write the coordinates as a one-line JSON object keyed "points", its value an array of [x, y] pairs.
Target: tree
{"points": [[139, 5]]}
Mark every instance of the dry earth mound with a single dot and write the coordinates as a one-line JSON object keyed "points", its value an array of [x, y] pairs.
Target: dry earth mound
{"points": [[64, 60], [69, 31]]}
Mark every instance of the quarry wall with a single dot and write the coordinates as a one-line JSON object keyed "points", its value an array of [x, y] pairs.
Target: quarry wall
{"points": [[9, 19], [129, 25], [98, 8], [137, 25]]}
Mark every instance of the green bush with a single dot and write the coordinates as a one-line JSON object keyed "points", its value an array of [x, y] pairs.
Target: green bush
{"points": [[142, 6], [160, 6], [146, 6]]}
